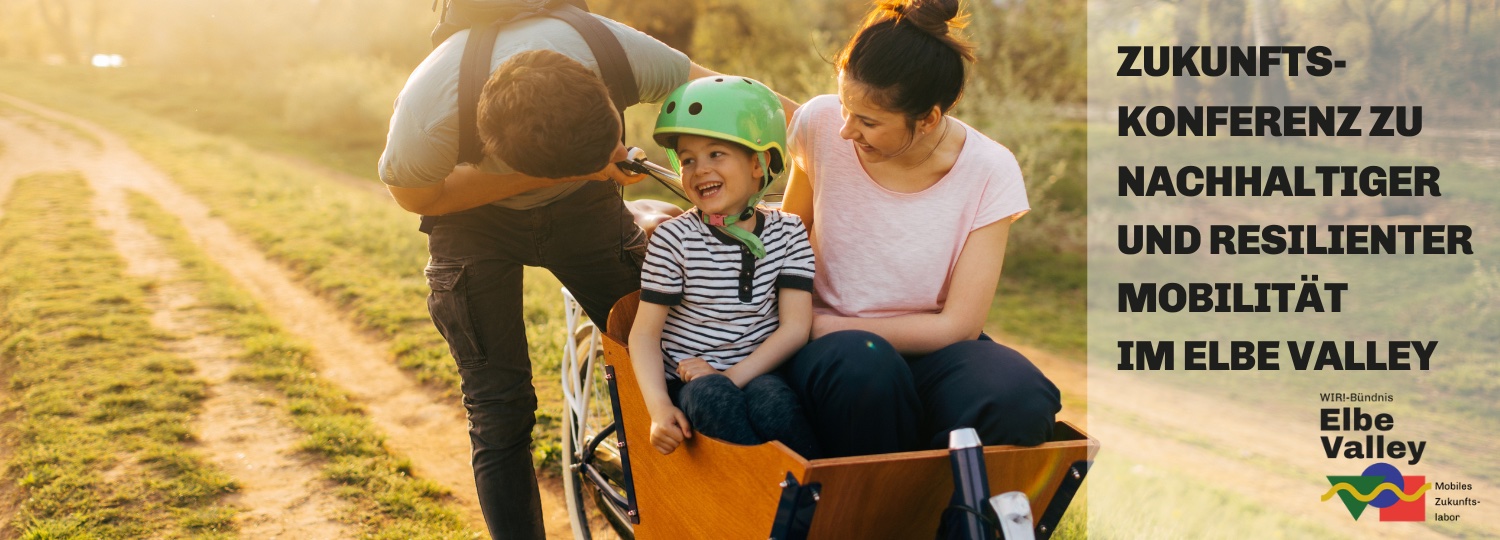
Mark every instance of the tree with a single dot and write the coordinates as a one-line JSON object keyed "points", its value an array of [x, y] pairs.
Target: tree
{"points": [[57, 17], [1185, 26], [1265, 28], [671, 22], [1390, 31]]}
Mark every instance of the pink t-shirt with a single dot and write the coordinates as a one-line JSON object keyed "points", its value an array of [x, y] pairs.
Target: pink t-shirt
{"points": [[883, 253]]}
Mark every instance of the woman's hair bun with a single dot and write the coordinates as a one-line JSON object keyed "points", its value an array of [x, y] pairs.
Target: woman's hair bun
{"points": [[931, 16], [910, 52]]}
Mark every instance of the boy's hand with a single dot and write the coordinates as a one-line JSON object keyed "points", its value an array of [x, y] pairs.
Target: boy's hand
{"points": [[668, 432], [693, 368]]}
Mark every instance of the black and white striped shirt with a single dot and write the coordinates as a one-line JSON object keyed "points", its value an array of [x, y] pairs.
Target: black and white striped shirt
{"points": [[723, 299]]}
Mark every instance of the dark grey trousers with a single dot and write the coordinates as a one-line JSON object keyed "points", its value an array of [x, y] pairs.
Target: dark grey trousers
{"points": [[764, 410], [591, 243], [862, 397]]}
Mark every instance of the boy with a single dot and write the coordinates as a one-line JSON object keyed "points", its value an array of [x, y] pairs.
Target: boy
{"points": [[726, 288]]}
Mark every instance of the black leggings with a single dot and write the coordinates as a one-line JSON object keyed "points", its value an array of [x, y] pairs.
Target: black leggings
{"points": [[862, 397], [764, 410]]}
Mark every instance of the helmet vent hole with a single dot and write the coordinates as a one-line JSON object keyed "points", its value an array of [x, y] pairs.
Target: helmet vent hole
{"points": [[747, 81], [695, 108], [671, 105], [720, 79]]}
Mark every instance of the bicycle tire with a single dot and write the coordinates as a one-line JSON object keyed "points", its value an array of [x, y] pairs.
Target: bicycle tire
{"points": [[578, 514]]}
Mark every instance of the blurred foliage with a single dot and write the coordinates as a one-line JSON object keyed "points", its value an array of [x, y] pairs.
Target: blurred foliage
{"points": [[1027, 48], [316, 78], [1441, 54]]}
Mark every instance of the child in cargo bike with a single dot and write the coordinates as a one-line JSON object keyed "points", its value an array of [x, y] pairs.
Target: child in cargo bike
{"points": [[725, 287]]}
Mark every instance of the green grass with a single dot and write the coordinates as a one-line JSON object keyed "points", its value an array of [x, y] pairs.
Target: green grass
{"points": [[1452, 299], [1041, 297], [102, 418], [1041, 301], [21, 118], [198, 101], [38, 124], [1135, 500], [364, 253], [387, 501], [357, 249]]}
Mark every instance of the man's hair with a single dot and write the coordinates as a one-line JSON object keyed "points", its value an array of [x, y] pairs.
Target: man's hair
{"points": [[546, 115]]}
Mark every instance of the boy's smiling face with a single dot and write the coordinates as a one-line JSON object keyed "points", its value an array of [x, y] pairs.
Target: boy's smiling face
{"points": [[719, 176]]}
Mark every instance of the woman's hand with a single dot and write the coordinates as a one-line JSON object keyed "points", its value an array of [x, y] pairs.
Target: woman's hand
{"points": [[668, 431], [970, 292], [692, 368]]}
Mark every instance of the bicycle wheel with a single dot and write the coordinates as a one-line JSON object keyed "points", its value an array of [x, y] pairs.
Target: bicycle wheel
{"points": [[572, 483], [591, 459]]}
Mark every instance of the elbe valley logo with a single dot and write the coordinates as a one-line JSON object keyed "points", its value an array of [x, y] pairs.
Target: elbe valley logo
{"points": [[1399, 497]]}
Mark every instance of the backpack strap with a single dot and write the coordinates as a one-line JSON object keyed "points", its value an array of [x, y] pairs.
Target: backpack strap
{"points": [[474, 70], [614, 66]]}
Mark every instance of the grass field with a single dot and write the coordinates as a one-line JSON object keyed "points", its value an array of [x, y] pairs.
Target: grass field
{"points": [[1452, 299], [364, 253], [1040, 301], [1448, 298], [119, 463], [102, 415], [361, 251], [387, 501]]}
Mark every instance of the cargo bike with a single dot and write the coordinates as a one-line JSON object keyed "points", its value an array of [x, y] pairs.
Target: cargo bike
{"points": [[717, 490]]}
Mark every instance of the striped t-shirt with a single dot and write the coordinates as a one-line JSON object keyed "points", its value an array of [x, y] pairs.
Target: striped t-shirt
{"points": [[723, 299]]}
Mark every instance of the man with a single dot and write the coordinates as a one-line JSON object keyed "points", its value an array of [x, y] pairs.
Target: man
{"points": [[540, 197]]}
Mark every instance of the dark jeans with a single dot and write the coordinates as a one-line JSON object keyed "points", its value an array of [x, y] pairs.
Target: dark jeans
{"points": [[862, 397], [590, 242], [764, 410]]}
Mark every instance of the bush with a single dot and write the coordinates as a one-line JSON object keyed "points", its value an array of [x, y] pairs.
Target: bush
{"points": [[339, 95]]}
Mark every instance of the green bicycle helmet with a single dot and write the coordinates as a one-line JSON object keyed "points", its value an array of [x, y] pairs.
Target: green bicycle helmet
{"points": [[731, 108]]}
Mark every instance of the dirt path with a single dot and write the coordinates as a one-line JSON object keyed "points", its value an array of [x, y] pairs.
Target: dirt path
{"points": [[242, 429], [419, 424]]}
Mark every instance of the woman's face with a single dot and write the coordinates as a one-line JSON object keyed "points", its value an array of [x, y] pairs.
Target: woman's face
{"points": [[878, 134]]}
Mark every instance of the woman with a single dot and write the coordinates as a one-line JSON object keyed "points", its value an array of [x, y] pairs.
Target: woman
{"points": [[909, 211]]}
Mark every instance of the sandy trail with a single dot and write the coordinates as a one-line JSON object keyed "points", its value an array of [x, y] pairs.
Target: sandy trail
{"points": [[419, 423], [240, 429]]}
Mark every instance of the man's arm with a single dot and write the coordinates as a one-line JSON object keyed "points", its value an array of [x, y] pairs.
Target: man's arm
{"points": [[468, 187]]}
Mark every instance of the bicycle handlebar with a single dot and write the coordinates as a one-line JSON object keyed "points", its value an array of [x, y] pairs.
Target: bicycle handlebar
{"points": [[636, 163]]}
